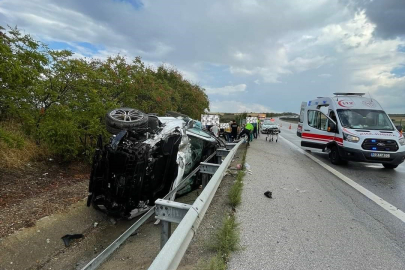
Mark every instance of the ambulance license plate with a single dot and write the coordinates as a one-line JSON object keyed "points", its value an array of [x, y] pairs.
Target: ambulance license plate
{"points": [[380, 155]]}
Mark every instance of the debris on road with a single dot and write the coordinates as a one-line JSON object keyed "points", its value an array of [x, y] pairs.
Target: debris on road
{"points": [[268, 194], [113, 221], [69, 237]]}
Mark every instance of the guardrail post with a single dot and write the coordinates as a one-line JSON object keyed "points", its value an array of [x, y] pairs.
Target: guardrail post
{"points": [[229, 146], [168, 212], [166, 233], [207, 170], [204, 180], [221, 153]]}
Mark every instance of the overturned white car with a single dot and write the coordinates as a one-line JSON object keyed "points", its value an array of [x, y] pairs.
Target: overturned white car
{"points": [[147, 156]]}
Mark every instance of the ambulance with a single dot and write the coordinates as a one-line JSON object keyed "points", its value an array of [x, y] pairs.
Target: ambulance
{"points": [[351, 127]]}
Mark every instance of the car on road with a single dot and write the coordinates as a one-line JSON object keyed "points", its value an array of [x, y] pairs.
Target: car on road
{"points": [[144, 159], [351, 127], [269, 125]]}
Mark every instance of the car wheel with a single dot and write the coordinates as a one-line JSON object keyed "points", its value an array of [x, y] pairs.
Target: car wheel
{"points": [[125, 118], [334, 156], [389, 166]]}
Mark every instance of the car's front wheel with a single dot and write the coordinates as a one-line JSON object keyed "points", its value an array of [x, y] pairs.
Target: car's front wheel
{"points": [[334, 156]]}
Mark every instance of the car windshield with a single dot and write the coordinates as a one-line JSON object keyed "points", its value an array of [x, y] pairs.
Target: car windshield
{"points": [[365, 119], [267, 122]]}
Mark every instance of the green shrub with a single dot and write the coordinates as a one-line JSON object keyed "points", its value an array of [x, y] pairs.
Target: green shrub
{"points": [[227, 238], [235, 193], [10, 139]]}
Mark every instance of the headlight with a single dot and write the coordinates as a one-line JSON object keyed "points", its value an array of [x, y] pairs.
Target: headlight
{"points": [[350, 138], [402, 141]]}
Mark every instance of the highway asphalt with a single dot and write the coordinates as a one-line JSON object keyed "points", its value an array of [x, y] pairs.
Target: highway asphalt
{"points": [[315, 220]]}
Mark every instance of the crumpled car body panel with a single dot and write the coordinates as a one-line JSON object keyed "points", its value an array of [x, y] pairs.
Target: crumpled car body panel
{"points": [[131, 171]]}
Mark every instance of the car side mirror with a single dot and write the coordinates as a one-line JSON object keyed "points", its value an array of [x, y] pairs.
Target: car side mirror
{"points": [[399, 128], [332, 127]]}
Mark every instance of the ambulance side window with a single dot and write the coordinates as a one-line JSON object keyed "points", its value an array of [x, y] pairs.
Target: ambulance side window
{"points": [[317, 120]]}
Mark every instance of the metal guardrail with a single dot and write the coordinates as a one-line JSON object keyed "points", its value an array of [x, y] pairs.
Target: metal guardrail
{"points": [[97, 261], [173, 251]]}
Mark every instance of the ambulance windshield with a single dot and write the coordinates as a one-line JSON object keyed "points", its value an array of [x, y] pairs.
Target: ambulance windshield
{"points": [[365, 119]]}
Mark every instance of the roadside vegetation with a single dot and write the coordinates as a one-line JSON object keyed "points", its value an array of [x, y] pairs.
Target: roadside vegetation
{"points": [[226, 240], [54, 102]]}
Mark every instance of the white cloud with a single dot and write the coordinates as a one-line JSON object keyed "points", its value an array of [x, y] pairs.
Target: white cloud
{"points": [[325, 75], [301, 64], [226, 90]]}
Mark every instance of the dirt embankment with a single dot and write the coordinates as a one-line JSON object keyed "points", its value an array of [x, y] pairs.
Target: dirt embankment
{"points": [[38, 190]]}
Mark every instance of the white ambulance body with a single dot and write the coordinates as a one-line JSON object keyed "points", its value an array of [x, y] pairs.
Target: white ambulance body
{"points": [[351, 127]]}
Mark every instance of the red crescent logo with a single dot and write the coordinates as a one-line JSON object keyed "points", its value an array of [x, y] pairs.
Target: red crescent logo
{"points": [[346, 103]]}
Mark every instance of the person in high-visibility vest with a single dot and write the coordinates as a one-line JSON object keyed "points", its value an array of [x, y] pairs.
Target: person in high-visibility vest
{"points": [[248, 129]]}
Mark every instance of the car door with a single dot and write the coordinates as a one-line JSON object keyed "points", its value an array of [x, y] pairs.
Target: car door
{"points": [[315, 132]]}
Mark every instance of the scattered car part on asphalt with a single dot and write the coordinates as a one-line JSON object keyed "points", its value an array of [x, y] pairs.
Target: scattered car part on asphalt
{"points": [[268, 194], [69, 237]]}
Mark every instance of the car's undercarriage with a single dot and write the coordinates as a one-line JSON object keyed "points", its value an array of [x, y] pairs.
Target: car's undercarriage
{"points": [[142, 162]]}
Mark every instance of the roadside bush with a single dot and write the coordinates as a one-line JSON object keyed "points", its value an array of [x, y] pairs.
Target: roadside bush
{"points": [[235, 194], [61, 100], [227, 239], [16, 149]]}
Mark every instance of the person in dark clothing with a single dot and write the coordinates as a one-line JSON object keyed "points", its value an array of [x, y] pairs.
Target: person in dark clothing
{"points": [[254, 130], [234, 130]]}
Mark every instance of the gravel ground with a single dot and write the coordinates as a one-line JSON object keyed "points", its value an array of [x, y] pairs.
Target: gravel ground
{"points": [[313, 220]]}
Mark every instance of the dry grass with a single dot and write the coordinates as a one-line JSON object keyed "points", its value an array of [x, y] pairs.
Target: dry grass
{"points": [[16, 149]]}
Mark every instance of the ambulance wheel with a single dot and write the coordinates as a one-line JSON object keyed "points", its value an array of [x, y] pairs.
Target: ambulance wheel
{"points": [[334, 156], [389, 166]]}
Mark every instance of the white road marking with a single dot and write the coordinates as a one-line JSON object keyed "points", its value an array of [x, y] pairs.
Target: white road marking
{"points": [[384, 204]]}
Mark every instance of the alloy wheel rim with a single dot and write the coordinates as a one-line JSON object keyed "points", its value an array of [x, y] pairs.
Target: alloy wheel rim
{"points": [[126, 115]]}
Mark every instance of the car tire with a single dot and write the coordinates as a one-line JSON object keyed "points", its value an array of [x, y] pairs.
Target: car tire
{"points": [[389, 166], [124, 118], [334, 156]]}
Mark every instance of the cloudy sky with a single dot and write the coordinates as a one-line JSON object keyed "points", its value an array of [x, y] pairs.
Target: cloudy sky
{"points": [[249, 55]]}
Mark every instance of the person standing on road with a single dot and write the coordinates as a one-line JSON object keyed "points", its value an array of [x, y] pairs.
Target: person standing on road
{"points": [[255, 130], [250, 128], [228, 132], [234, 130], [215, 130]]}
